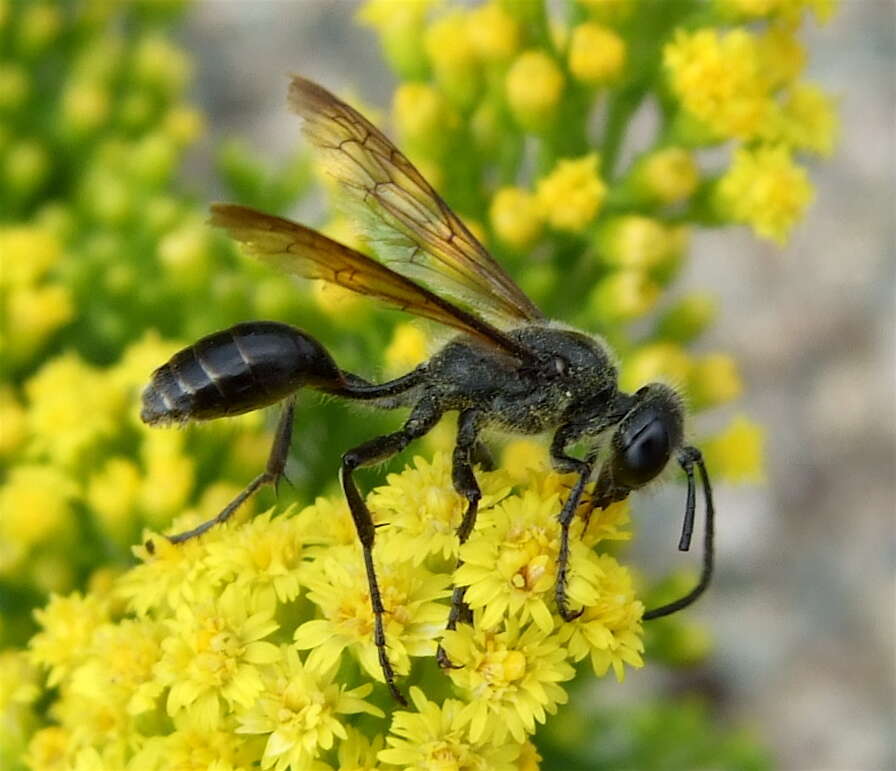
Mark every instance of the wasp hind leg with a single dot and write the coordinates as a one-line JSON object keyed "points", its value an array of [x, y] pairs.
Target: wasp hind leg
{"points": [[271, 475], [423, 417]]}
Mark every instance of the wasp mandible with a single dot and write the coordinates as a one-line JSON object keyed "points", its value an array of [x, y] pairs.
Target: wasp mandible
{"points": [[510, 368]]}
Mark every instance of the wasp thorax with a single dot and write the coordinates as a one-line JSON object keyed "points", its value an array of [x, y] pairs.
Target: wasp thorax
{"points": [[647, 436]]}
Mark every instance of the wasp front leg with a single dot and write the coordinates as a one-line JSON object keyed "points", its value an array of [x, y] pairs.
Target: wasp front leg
{"points": [[566, 464]]}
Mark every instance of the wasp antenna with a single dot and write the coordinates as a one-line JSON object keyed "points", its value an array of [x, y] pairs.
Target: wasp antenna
{"points": [[687, 527], [692, 456]]}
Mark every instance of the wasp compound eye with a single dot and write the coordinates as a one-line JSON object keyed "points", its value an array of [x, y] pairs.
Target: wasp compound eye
{"points": [[644, 454]]}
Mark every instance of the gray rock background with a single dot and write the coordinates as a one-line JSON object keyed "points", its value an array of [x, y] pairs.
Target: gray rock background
{"points": [[803, 610]]}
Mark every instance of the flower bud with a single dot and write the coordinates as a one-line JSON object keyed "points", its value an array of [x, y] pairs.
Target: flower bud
{"points": [[688, 318], [666, 176], [622, 296], [516, 217], [596, 54], [571, 195], [534, 85]]}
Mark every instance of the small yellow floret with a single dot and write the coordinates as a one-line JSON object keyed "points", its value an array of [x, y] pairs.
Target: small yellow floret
{"points": [[534, 86], [765, 189], [407, 349], [596, 54], [718, 79], [422, 115], [666, 362], [571, 195], [634, 241], [623, 295], [668, 175], [737, 453], [85, 105], [516, 217], [714, 379], [26, 254], [493, 32], [805, 120]]}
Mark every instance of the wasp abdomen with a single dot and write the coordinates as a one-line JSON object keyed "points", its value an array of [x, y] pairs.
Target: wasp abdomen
{"points": [[243, 368]]}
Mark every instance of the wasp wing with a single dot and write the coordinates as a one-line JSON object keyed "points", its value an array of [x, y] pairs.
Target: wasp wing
{"points": [[304, 252], [401, 213]]}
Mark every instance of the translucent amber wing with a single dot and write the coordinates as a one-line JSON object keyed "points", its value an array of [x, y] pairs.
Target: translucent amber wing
{"points": [[411, 226], [299, 250]]}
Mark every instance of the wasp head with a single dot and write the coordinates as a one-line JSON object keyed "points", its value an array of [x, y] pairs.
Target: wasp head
{"points": [[651, 431]]}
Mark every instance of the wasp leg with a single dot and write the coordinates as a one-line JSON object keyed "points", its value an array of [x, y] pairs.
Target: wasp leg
{"points": [[567, 464], [271, 475], [468, 427], [423, 417]]}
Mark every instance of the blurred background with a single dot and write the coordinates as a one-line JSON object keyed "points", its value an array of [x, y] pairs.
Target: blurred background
{"points": [[793, 647]]}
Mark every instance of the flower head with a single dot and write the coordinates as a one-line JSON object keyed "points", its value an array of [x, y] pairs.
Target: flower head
{"points": [[572, 194], [435, 737], [299, 709], [510, 677], [211, 660], [596, 54], [765, 189], [534, 84]]}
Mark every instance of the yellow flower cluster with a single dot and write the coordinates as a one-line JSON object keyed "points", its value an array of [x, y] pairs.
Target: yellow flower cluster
{"points": [[208, 651], [744, 84]]}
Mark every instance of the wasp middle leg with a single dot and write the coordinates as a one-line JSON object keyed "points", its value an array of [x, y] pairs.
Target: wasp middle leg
{"points": [[422, 419], [469, 423]]}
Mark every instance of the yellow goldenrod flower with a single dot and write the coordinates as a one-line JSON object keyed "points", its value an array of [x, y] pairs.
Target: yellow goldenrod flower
{"points": [[510, 678], [623, 295], [667, 176], [299, 709], [510, 562], [169, 476], [50, 748], [39, 23], [765, 189], [610, 629], [666, 362], [424, 511], [68, 623], [214, 652], [25, 166], [193, 748], [454, 58], [533, 86], [718, 79], [571, 195], [85, 105], [782, 57], [805, 120], [522, 457], [737, 453], [516, 217], [688, 318], [713, 380], [14, 86], [436, 737], [118, 670], [633, 241], [359, 753], [112, 493], [493, 32], [160, 64], [35, 503], [184, 125], [596, 54], [337, 584], [185, 253], [264, 553], [408, 348], [35, 313], [26, 253], [423, 117], [400, 27]]}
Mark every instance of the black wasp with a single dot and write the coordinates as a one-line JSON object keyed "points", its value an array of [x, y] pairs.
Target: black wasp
{"points": [[516, 371]]}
